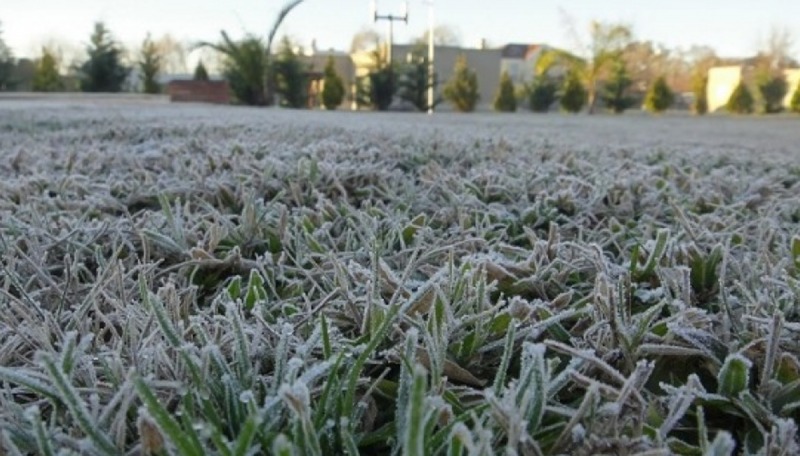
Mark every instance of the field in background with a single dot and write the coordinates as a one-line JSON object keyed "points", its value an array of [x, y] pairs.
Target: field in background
{"points": [[217, 280]]}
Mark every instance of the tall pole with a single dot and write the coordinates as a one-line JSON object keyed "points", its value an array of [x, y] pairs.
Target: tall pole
{"points": [[431, 80], [389, 52]]}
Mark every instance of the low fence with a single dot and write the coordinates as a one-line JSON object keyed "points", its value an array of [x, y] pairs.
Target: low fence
{"points": [[216, 92]]}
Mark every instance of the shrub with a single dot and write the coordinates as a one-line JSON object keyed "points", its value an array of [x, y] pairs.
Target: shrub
{"points": [[462, 89], [741, 100], [506, 99], [615, 92], [333, 87], [794, 105], [573, 96], [659, 97], [700, 88], [772, 89], [542, 93]]}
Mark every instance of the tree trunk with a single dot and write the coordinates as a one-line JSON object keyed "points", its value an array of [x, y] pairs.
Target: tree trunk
{"points": [[592, 97]]}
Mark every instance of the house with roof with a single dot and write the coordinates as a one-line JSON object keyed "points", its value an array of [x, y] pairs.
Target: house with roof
{"points": [[519, 61]]}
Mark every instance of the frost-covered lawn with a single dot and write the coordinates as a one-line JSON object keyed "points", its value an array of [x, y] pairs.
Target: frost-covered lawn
{"points": [[213, 280]]}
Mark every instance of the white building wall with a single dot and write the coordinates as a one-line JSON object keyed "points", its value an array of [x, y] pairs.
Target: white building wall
{"points": [[793, 81], [722, 81]]}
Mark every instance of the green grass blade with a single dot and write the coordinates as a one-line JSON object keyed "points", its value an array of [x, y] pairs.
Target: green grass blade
{"points": [[246, 436], [413, 440], [326, 338], [16, 376], [355, 369], [185, 444], [243, 365], [508, 349], [173, 222], [44, 443], [662, 237], [77, 408]]}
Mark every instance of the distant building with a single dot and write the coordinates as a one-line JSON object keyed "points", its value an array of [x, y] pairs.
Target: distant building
{"points": [[793, 83], [485, 62]]}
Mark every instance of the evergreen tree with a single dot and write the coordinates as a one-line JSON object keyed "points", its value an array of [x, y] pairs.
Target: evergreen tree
{"points": [[6, 64], [200, 72], [772, 88], [741, 100], [333, 90], [376, 89], [413, 80], [150, 62], [794, 105], [46, 77], [462, 89], [659, 97], [574, 95], [292, 78], [615, 92], [542, 93], [103, 71], [505, 100], [700, 89]]}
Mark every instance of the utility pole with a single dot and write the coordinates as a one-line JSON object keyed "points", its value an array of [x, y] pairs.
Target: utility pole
{"points": [[391, 18]]}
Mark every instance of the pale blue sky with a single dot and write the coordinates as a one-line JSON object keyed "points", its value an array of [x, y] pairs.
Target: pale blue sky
{"points": [[733, 27]]}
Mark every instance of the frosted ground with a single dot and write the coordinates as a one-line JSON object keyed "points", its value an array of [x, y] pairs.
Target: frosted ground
{"points": [[217, 280]]}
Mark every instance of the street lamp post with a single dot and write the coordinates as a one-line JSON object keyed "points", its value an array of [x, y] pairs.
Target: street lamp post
{"points": [[391, 18]]}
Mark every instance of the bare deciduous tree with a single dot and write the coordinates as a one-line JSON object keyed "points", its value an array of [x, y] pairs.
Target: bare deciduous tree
{"points": [[173, 55], [443, 35], [594, 55], [370, 41], [775, 51], [367, 39]]}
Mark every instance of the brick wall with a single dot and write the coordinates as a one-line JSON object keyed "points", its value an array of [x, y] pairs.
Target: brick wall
{"points": [[199, 91]]}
